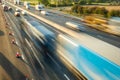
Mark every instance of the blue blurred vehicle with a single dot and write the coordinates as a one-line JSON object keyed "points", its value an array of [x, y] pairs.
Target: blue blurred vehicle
{"points": [[92, 65]]}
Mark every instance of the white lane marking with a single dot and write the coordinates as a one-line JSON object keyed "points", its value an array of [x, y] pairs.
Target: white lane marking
{"points": [[34, 53], [28, 42], [66, 77], [23, 57]]}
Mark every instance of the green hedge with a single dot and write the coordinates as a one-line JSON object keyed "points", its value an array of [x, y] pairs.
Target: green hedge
{"points": [[95, 10]]}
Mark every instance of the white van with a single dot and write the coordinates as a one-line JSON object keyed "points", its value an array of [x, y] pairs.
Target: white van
{"points": [[39, 7], [44, 13], [26, 3]]}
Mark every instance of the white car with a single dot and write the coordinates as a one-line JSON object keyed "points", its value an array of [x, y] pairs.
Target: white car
{"points": [[17, 10], [26, 3], [24, 13], [17, 14], [9, 8], [44, 13], [39, 7], [27, 6]]}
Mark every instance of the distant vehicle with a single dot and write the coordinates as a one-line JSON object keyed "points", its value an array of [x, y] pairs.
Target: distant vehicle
{"points": [[79, 55], [17, 10], [90, 64], [5, 8], [16, 1], [27, 6], [74, 25], [26, 3], [9, 8], [44, 13], [17, 14], [39, 7], [24, 13]]}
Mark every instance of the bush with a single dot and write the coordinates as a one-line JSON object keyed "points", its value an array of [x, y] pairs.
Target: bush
{"points": [[74, 8], [94, 10]]}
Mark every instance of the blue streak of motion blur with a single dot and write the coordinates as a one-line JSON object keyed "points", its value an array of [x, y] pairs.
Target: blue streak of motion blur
{"points": [[89, 63]]}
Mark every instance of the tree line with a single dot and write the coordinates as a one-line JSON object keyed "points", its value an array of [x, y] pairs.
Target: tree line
{"points": [[95, 10], [82, 2]]}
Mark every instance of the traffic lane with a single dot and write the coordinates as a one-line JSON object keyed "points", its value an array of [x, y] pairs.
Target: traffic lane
{"points": [[53, 15], [59, 71], [40, 68], [48, 65], [31, 55], [114, 40], [109, 38], [60, 19], [54, 64], [36, 42], [60, 67], [56, 15], [57, 18]]}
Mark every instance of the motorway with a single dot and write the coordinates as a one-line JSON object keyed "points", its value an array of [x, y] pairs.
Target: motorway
{"points": [[43, 67], [60, 18]]}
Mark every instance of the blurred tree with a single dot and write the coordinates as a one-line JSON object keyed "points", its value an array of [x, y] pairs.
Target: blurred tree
{"points": [[82, 2], [45, 2], [74, 8]]}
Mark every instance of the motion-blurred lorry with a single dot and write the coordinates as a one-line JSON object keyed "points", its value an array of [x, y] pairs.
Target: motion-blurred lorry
{"points": [[9, 8]]}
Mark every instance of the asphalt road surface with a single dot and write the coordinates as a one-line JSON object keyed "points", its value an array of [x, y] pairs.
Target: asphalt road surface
{"points": [[49, 66], [60, 18], [44, 67]]}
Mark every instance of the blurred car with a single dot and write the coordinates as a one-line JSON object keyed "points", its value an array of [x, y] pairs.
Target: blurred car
{"points": [[44, 13], [39, 7], [9, 8], [24, 13], [17, 10], [17, 14]]}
